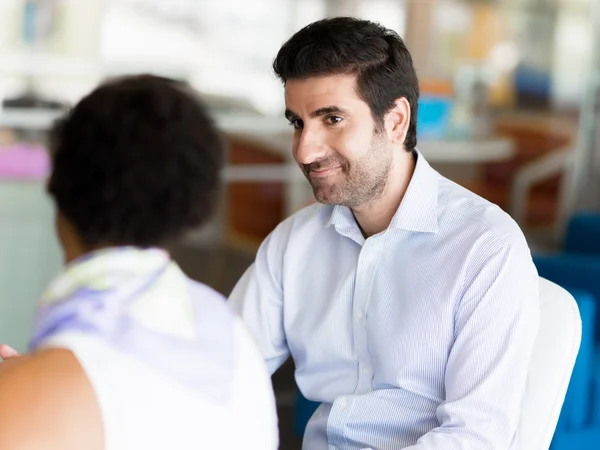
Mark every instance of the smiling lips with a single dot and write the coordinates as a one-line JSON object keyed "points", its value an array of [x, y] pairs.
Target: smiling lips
{"points": [[318, 173]]}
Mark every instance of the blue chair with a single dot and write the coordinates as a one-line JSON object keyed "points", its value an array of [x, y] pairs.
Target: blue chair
{"points": [[583, 234], [572, 271], [579, 267], [302, 413], [577, 409], [551, 367], [579, 423]]}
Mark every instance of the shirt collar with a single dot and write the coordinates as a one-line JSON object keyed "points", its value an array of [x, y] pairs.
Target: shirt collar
{"points": [[418, 210]]}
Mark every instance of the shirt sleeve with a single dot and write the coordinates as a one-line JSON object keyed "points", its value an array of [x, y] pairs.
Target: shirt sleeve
{"points": [[258, 299], [496, 323]]}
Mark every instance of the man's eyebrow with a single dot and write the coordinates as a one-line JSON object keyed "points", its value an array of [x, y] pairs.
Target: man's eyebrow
{"points": [[291, 115], [328, 110]]}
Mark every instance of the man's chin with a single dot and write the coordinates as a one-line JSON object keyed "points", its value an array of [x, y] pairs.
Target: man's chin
{"points": [[326, 199]]}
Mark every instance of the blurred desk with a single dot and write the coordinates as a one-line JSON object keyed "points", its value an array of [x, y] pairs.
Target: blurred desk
{"points": [[472, 151]]}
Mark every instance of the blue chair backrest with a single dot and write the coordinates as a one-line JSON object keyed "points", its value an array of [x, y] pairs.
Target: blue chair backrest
{"points": [[577, 408], [572, 271], [583, 234], [580, 275]]}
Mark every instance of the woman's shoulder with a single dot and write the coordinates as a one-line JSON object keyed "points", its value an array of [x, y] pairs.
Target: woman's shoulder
{"points": [[39, 394]]}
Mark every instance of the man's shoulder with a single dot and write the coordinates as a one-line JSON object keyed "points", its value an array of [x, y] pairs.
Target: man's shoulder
{"points": [[461, 209]]}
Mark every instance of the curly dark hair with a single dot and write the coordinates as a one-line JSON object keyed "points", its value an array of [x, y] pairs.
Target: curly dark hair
{"points": [[345, 45], [136, 162]]}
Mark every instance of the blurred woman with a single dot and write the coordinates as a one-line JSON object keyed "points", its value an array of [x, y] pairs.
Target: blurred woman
{"points": [[128, 353]]}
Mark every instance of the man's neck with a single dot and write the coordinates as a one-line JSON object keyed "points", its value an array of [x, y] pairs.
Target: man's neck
{"points": [[376, 216]]}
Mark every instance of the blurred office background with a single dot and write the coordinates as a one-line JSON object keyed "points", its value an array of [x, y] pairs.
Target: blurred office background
{"points": [[509, 109]]}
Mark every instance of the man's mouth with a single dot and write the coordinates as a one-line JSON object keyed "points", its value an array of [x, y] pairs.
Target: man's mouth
{"points": [[323, 172]]}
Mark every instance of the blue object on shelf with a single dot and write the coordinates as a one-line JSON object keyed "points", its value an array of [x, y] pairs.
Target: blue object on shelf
{"points": [[30, 12], [433, 117], [532, 81]]}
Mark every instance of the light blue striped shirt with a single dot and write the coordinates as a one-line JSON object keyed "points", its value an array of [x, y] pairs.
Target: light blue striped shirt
{"points": [[419, 336]]}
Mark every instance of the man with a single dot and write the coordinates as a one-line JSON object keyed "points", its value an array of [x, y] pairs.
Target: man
{"points": [[409, 304]]}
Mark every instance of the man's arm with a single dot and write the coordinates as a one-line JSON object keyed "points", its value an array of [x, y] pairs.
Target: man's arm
{"points": [[258, 299], [496, 324]]}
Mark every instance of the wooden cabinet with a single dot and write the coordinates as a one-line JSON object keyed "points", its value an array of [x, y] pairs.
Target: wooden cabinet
{"points": [[254, 209]]}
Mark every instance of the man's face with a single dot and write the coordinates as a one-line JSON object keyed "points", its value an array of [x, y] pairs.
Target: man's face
{"points": [[336, 143]]}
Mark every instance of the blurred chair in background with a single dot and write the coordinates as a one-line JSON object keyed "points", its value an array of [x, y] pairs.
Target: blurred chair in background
{"points": [[529, 185]]}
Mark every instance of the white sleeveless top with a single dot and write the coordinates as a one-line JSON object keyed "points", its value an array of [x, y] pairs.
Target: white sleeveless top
{"points": [[143, 409], [145, 406]]}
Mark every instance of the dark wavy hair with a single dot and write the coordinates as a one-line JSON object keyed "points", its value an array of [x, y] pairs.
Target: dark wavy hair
{"points": [[345, 45]]}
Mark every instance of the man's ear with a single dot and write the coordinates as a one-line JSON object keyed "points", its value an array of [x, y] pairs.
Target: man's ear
{"points": [[397, 120]]}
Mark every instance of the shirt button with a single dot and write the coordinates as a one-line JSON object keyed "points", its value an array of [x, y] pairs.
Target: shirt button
{"points": [[359, 315], [365, 371], [343, 402]]}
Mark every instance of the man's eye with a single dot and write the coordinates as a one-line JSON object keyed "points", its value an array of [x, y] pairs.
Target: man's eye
{"points": [[296, 123], [334, 119]]}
